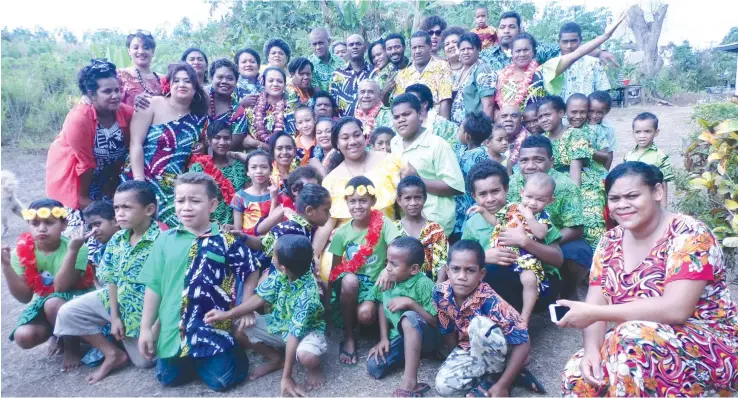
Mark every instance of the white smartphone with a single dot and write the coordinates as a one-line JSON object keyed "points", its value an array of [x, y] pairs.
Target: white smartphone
{"points": [[557, 312]]}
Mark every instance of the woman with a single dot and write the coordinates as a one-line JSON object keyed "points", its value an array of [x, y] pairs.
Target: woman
{"points": [[249, 87], [434, 25], [267, 117], [139, 78], [676, 331], [300, 89], [224, 105], [86, 157], [277, 53], [164, 135], [474, 85], [194, 57], [524, 81], [324, 105], [377, 55], [350, 160], [450, 39], [323, 146]]}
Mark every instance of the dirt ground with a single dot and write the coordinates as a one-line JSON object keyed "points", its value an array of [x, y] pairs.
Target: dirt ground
{"points": [[33, 373]]}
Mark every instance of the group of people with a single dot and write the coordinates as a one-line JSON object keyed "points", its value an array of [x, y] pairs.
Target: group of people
{"points": [[443, 197]]}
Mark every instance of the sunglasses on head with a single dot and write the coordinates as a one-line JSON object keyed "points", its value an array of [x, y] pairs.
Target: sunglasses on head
{"points": [[436, 32], [140, 32]]}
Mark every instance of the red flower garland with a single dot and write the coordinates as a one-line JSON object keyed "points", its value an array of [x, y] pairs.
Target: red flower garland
{"points": [[25, 248], [507, 74], [376, 222], [368, 119], [225, 185]]}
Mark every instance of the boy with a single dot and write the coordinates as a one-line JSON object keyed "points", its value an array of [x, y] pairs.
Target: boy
{"points": [[99, 217], [120, 302], [645, 130], [486, 33], [296, 321], [407, 321], [207, 264], [430, 158], [479, 326], [603, 135]]}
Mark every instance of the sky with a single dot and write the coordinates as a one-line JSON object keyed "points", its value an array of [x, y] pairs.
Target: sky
{"points": [[702, 22]]}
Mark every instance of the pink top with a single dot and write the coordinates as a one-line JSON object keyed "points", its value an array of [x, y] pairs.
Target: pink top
{"points": [[70, 155], [130, 86]]}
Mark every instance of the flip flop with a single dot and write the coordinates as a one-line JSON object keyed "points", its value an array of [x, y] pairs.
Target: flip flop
{"points": [[526, 380], [423, 388], [352, 355], [481, 389]]}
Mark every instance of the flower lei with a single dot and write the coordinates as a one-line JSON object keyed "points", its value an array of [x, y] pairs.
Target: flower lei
{"points": [[376, 222], [520, 88], [260, 114], [368, 118], [224, 184], [25, 249]]}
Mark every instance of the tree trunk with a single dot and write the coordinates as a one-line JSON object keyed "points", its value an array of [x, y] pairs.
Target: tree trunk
{"points": [[647, 38], [417, 16]]}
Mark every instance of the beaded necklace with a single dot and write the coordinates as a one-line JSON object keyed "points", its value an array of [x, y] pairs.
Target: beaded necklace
{"points": [[212, 106], [145, 85]]}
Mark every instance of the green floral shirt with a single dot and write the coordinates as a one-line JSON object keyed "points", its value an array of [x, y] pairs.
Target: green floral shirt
{"points": [[323, 71], [122, 264], [296, 306], [236, 174], [419, 288], [498, 58]]}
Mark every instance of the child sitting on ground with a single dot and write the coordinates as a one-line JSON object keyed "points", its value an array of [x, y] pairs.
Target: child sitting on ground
{"points": [[380, 139], [256, 209], [191, 270], [602, 134], [120, 301], [296, 321], [46, 270], [99, 217], [305, 139], [535, 196], [411, 197], [228, 173], [486, 334], [359, 250], [645, 130], [407, 318]]}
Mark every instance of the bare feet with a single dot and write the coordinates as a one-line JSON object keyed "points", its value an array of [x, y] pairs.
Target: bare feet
{"points": [[112, 362], [315, 378], [54, 348], [265, 369], [72, 359]]}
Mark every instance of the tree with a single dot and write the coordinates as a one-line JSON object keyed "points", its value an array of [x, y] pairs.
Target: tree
{"points": [[647, 35]]}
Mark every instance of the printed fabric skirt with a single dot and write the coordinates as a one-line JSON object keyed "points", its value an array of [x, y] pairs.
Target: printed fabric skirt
{"points": [[37, 307]]}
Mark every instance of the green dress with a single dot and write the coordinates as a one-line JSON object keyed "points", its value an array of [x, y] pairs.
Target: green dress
{"points": [[572, 145], [236, 174]]}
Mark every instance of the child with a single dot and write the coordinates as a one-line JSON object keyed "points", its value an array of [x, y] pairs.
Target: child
{"points": [[99, 217], [497, 146], [255, 209], [286, 156], [296, 321], [411, 196], [207, 264], [120, 302], [228, 173], [305, 140], [483, 330], [602, 134], [359, 250], [324, 146], [46, 270], [472, 147], [380, 139], [645, 130], [535, 196], [486, 33], [407, 319], [302, 176], [530, 119]]}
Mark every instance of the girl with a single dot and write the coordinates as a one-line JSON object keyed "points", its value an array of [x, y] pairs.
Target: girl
{"points": [[572, 153], [497, 145], [305, 126], [286, 156], [323, 146], [380, 139], [255, 209], [302, 176], [359, 250], [228, 173], [46, 270], [411, 196]]}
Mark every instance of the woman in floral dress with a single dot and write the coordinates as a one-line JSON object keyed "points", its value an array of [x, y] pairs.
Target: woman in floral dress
{"points": [[676, 331], [164, 135]]}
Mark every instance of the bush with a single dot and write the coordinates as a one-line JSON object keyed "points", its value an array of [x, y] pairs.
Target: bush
{"points": [[714, 112]]}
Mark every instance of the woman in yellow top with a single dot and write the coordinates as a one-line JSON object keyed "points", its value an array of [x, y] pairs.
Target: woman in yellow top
{"points": [[352, 159]]}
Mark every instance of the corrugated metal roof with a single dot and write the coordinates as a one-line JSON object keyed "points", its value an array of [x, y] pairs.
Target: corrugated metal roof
{"points": [[732, 47]]}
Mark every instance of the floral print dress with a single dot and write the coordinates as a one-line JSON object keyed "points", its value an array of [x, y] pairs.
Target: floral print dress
{"points": [[697, 358], [435, 245], [574, 144]]}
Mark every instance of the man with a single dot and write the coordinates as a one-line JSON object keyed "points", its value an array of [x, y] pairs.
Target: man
{"points": [[345, 80], [433, 73], [566, 212], [585, 75], [509, 116], [340, 50], [428, 157], [369, 107], [324, 63], [499, 55], [394, 45]]}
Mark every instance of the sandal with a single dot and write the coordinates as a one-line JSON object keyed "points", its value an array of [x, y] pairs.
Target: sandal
{"points": [[423, 388], [526, 380], [481, 389], [352, 355]]}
